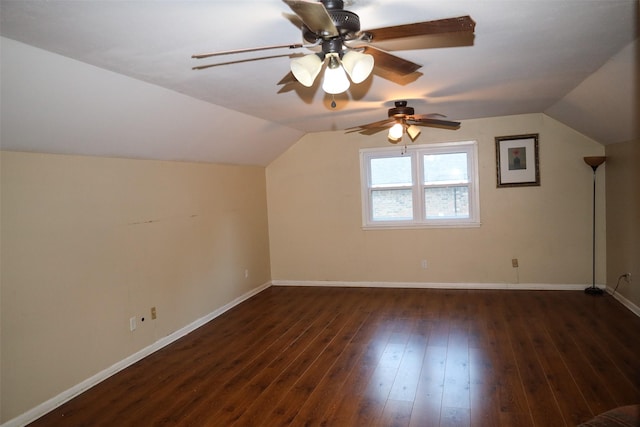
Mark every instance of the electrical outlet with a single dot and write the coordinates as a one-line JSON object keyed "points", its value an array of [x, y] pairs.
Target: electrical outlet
{"points": [[424, 264], [246, 273], [627, 276], [514, 262], [132, 323], [154, 314]]}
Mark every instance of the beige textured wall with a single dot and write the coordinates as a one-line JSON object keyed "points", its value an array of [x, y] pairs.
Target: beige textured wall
{"points": [[89, 242], [315, 214], [623, 218]]}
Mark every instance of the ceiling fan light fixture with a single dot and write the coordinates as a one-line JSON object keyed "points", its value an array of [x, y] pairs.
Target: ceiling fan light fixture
{"points": [[358, 65], [335, 78], [306, 68], [395, 132], [413, 131]]}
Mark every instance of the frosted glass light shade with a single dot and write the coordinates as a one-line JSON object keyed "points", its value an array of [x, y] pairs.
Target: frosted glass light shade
{"points": [[396, 131], [413, 131], [358, 65], [306, 68], [335, 78]]}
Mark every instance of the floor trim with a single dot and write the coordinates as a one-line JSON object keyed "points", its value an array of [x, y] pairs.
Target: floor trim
{"points": [[434, 285], [631, 306]]}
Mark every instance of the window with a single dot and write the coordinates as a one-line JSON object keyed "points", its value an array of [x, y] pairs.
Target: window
{"points": [[433, 185]]}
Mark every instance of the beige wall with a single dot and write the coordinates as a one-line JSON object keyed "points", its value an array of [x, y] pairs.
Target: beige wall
{"points": [[89, 242], [623, 218], [315, 214]]}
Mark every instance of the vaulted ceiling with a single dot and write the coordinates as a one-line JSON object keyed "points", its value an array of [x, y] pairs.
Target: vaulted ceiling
{"points": [[574, 60]]}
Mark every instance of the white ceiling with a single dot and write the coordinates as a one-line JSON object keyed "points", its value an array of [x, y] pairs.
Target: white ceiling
{"points": [[528, 56]]}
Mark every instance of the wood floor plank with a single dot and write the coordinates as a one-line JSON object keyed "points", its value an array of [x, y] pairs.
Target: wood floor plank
{"points": [[428, 402], [346, 410], [540, 398], [396, 413], [455, 417], [511, 393], [406, 381], [241, 389], [277, 393], [615, 344], [322, 380], [383, 377], [574, 409], [483, 396]]}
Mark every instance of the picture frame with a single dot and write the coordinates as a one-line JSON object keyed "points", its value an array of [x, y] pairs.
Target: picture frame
{"points": [[517, 161]]}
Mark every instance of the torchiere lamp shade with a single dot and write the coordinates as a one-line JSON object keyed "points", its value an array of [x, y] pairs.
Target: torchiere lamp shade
{"points": [[594, 161]]}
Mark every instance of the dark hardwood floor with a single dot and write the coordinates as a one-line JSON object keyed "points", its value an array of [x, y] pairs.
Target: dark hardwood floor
{"points": [[382, 357]]}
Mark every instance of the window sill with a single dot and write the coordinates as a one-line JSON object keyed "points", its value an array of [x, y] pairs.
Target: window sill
{"points": [[415, 226]]}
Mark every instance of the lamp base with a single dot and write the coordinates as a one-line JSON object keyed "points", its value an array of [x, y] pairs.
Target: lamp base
{"points": [[592, 290]]}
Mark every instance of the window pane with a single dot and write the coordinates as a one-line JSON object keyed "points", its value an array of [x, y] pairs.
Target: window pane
{"points": [[391, 171], [391, 205], [447, 202], [443, 168]]}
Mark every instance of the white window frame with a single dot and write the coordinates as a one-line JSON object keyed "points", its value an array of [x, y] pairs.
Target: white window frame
{"points": [[417, 152]]}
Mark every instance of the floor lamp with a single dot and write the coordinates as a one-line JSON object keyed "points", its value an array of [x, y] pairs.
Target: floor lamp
{"points": [[594, 162]]}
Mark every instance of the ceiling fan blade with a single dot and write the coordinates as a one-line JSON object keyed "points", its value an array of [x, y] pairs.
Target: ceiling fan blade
{"points": [[391, 62], [315, 16], [294, 19], [203, 67], [431, 41], [250, 49], [418, 117], [368, 131], [377, 124], [439, 26], [436, 123], [373, 131]]}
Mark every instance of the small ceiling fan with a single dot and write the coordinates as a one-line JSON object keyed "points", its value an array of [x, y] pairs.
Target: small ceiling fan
{"points": [[335, 35], [402, 119]]}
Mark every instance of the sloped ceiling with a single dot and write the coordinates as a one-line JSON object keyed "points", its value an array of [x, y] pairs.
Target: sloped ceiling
{"points": [[121, 72]]}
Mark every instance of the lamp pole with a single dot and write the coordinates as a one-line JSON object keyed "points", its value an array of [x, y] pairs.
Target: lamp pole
{"points": [[594, 162]]}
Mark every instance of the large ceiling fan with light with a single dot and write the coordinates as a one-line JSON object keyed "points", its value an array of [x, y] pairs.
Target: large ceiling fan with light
{"points": [[402, 119], [348, 52]]}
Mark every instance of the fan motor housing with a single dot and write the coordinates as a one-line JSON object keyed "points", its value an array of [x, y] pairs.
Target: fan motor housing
{"points": [[401, 110], [345, 21]]}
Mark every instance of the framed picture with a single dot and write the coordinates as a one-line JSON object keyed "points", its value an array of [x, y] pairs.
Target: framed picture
{"points": [[517, 161]]}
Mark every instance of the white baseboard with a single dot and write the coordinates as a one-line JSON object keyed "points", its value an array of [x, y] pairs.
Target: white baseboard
{"points": [[631, 306], [435, 285], [45, 407]]}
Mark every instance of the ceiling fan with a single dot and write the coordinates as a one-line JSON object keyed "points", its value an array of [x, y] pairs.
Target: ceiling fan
{"points": [[402, 119], [335, 35]]}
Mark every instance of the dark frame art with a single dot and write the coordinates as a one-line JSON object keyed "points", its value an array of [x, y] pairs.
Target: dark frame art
{"points": [[517, 161]]}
